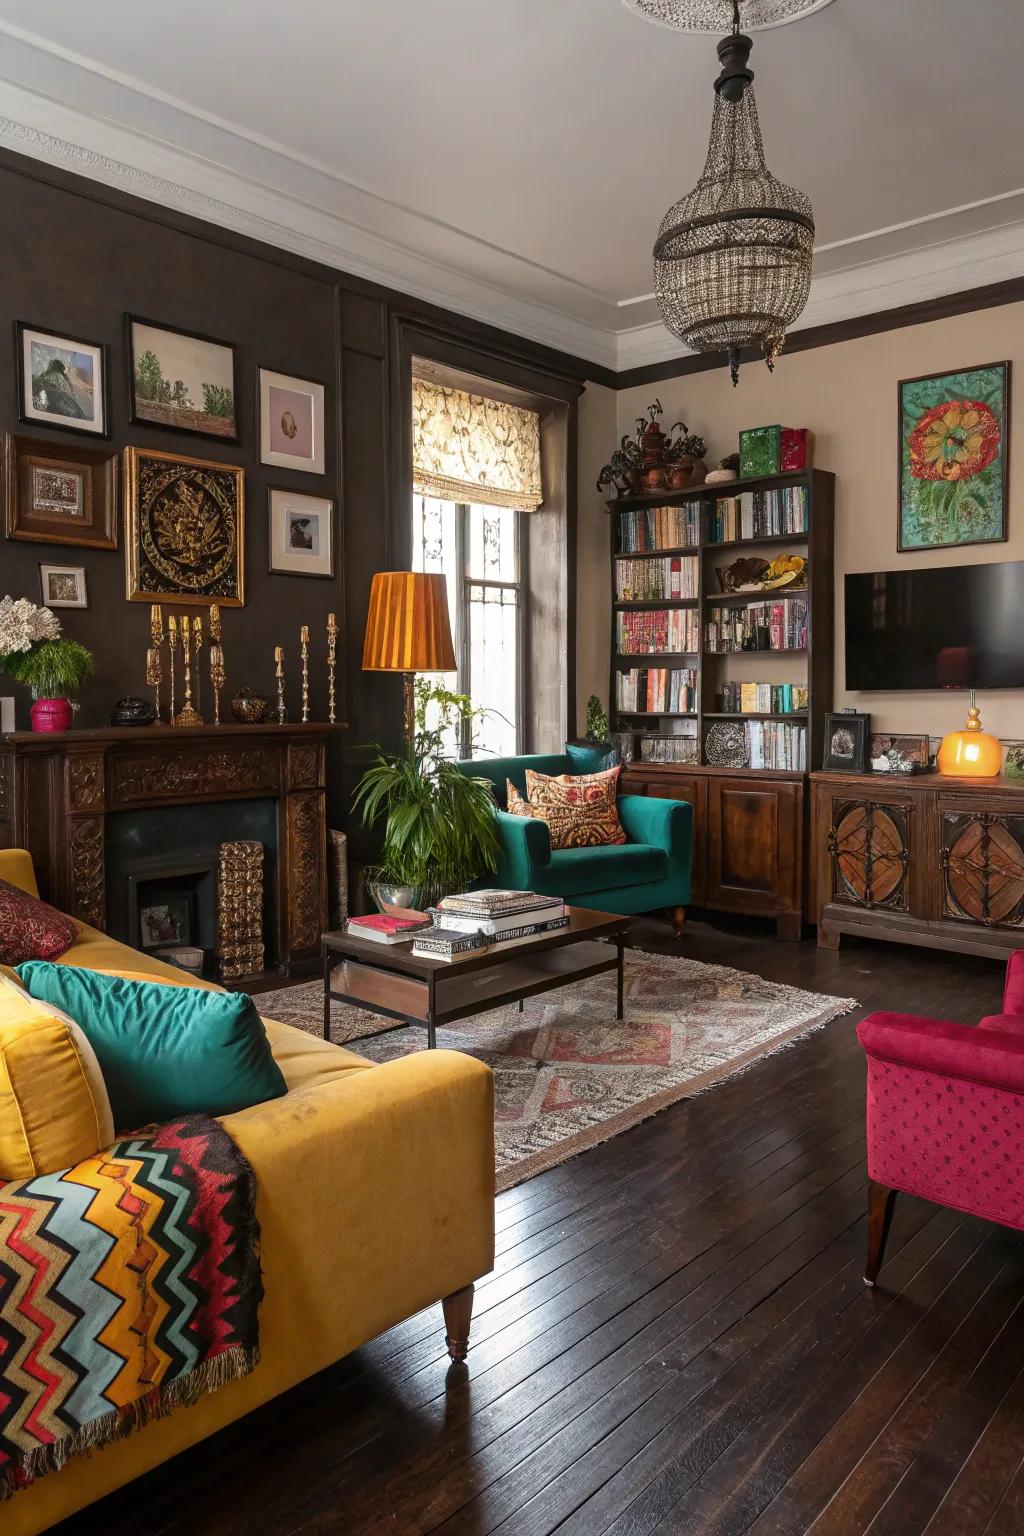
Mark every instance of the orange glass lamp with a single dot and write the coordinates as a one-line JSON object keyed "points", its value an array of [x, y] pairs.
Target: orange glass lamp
{"points": [[971, 753], [408, 630]]}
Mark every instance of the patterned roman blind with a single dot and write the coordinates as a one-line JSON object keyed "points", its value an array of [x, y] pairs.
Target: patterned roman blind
{"points": [[470, 448]]}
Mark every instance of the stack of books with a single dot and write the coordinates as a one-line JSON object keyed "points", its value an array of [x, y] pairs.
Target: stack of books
{"points": [[657, 690], [759, 515], [638, 580], [785, 620], [490, 920], [660, 528], [764, 698], [394, 927], [659, 632]]}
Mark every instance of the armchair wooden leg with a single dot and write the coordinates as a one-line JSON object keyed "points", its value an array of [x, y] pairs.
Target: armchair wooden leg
{"points": [[881, 1200], [679, 920], [458, 1313]]}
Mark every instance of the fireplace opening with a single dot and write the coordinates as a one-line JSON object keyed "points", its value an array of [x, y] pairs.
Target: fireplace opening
{"points": [[172, 912]]}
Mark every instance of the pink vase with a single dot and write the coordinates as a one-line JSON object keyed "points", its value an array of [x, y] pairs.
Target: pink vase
{"points": [[51, 715]]}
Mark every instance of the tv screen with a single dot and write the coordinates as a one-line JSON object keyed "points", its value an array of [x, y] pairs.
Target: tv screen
{"points": [[941, 627]]}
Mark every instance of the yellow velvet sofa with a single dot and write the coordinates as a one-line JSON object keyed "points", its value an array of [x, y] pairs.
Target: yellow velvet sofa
{"points": [[375, 1195]]}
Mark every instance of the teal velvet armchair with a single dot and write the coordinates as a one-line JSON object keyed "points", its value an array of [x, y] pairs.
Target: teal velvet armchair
{"points": [[650, 870]]}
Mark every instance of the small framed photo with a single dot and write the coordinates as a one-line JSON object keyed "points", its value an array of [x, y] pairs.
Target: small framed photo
{"points": [[846, 741], [182, 380], [301, 534], [167, 922], [60, 495], [62, 380], [899, 754], [291, 421], [63, 586]]}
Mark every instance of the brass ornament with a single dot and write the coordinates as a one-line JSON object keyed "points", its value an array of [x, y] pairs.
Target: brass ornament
{"points": [[185, 522], [240, 910], [304, 641], [282, 713], [332, 653]]}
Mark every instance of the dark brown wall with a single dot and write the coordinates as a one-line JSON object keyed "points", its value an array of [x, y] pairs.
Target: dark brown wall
{"points": [[79, 257]]}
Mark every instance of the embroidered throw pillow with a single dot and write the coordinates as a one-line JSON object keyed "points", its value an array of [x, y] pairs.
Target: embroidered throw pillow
{"points": [[31, 930], [580, 810]]}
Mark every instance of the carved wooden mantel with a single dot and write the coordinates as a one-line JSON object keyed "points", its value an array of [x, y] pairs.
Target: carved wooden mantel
{"points": [[57, 790]]}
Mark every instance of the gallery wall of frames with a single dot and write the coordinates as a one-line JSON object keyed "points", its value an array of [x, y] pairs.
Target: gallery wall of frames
{"points": [[157, 365]]}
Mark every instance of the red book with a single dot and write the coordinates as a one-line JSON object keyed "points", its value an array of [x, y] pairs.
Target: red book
{"points": [[388, 930]]}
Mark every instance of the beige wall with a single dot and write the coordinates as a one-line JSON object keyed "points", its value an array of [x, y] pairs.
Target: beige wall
{"points": [[847, 394], [598, 435]]}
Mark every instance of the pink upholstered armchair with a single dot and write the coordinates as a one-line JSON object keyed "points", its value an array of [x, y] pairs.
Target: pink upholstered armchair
{"points": [[945, 1113]]}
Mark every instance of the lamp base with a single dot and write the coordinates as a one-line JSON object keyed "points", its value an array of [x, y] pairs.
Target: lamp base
{"points": [[409, 710]]}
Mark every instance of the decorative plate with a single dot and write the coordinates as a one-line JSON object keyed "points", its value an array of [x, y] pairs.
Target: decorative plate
{"points": [[725, 745]]}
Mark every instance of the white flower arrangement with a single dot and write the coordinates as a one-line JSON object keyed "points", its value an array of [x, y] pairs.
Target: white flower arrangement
{"points": [[23, 625]]}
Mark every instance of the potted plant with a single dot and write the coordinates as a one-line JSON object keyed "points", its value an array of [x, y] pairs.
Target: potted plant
{"points": [[440, 832], [34, 652]]}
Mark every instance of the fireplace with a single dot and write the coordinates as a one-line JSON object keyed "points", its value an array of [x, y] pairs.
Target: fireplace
{"points": [[94, 808]]}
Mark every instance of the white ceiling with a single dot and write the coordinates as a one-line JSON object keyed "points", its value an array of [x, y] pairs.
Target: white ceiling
{"points": [[513, 158]]}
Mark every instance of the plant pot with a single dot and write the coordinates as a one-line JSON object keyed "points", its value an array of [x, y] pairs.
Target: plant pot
{"points": [[48, 715], [654, 478]]}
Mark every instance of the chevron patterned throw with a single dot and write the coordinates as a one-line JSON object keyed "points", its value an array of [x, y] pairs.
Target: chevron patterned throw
{"points": [[129, 1284]]}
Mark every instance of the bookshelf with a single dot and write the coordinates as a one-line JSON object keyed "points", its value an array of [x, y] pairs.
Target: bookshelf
{"points": [[805, 616]]}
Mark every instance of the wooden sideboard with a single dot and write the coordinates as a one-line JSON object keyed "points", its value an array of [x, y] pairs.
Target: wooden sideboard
{"points": [[924, 859], [748, 836], [57, 791]]}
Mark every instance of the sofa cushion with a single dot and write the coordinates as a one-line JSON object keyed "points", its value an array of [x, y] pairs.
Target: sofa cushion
{"points": [[30, 929], [579, 810], [585, 757], [165, 1051], [577, 871], [54, 1108]]}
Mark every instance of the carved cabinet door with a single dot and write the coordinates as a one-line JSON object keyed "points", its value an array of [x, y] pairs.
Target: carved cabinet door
{"points": [[982, 858], [869, 847]]}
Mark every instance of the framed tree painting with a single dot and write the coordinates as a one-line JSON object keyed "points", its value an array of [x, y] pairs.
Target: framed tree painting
{"points": [[183, 380], [954, 456], [184, 529]]}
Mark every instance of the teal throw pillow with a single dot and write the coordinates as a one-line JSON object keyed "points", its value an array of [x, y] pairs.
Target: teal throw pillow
{"points": [[586, 758], [164, 1051]]}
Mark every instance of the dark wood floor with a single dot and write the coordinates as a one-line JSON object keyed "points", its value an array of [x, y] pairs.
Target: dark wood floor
{"points": [[676, 1336]]}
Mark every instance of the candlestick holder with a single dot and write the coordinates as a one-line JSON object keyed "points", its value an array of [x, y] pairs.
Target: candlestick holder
{"points": [[216, 678], [197, 645], [187, 716], [282, 713], [156, 636], [172, 647], [154, 675], [332, 652], [304, 641]]}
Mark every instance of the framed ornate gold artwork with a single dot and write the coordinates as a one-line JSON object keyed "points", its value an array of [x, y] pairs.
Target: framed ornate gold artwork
{"points": [[184, 529]]}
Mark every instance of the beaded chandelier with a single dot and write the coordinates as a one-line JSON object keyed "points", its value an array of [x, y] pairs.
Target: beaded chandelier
{"points": [[732, 261]]}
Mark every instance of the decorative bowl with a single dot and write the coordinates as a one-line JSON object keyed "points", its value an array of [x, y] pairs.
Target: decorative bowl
{"points": [[251, 708]]}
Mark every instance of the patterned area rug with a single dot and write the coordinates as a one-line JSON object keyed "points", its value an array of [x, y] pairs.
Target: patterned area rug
{"points": [[567, 1075]]}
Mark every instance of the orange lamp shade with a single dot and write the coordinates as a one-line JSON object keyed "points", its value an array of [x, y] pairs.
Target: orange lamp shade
{"points": [[407, 627], [971, 753]]}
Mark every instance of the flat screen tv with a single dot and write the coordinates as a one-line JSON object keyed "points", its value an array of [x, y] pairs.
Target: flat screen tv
{"points": [[940, 627]]}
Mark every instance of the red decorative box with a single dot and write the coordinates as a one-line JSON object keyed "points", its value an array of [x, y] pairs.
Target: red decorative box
{"points": [[795, 450]]}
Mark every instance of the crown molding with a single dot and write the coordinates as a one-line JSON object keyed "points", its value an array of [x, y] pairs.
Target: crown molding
{"points": [[475, 280]]}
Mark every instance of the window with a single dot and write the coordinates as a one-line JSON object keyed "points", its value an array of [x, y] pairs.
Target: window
{"points": [[478, 549]]}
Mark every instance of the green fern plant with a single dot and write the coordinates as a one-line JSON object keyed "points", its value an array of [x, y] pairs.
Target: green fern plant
{"points": [[53, 669], [440, 831]]}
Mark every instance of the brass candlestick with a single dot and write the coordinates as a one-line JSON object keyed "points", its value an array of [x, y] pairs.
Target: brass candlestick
{"points": [[304, 638], [187, 715], [156, 634], [197, 645], [282, 713], [172, 646], [332, 648], [216, 679], [154, 675]]}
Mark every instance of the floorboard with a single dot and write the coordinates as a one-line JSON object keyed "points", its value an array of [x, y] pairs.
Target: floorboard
{"points": [[676, 1336]]}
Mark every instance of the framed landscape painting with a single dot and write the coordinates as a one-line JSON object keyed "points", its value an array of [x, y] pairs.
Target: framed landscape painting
{"points": [[182, 380], [954, 455], [62, 380]]}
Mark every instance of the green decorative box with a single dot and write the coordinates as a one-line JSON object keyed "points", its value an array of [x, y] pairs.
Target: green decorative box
{"points": [[760, 451]]}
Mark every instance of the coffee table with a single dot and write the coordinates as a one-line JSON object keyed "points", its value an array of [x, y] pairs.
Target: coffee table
{"points": [[389, 979]]}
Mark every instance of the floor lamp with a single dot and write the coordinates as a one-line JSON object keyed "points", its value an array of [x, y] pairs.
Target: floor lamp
{"points": [[408, 631]]}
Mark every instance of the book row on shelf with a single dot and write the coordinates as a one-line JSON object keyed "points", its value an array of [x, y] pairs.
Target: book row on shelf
{"points": [[638, 580], [658, 632], [758, 515], [776, 744], [714, 520], [656, 748], [654, 690], [652, 528], [770, 626], [763, 699]]}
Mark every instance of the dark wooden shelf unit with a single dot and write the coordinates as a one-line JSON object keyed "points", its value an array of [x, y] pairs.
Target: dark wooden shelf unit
{"points": [[749, 824]]}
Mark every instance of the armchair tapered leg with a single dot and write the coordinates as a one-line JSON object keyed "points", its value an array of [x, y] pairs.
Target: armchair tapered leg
{"points": [[679, 920], [881, 1200], [458, 1313]]}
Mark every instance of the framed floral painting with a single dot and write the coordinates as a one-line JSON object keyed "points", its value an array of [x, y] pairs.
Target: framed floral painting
{"points": [[954, 457]]}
